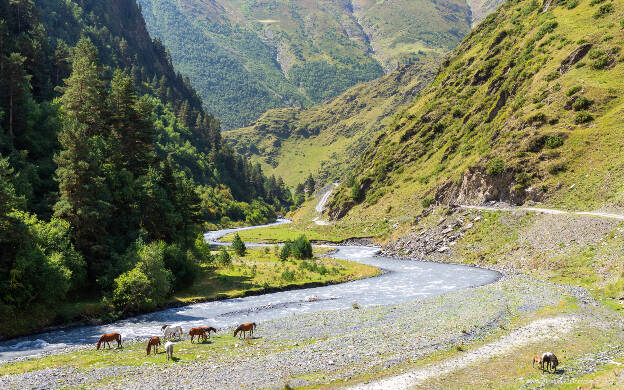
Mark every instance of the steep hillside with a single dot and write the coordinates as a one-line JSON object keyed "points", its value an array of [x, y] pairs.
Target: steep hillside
{"points": [[529, 107], [246, 57], [326, 139]]}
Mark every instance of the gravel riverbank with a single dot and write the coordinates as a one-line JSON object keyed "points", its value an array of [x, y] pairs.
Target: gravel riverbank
{"points": [[338, 345]]}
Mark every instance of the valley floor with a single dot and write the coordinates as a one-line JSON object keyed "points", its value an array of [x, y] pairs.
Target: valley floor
{"points": [[562, 273]]}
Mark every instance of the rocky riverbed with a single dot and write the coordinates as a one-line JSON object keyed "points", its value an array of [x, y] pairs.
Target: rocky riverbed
{"points": [[341, 346]]}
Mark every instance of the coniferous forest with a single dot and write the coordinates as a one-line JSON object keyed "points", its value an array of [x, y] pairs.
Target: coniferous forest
{"points": [[110, 169]]}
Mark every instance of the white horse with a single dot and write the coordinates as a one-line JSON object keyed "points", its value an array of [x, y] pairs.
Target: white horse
{"points": [[171, 331], [169, 350]]}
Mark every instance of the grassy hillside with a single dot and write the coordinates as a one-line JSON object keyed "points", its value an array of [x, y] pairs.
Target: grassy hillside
{"points": [[529, 107], [326, 139], [246, 57]]}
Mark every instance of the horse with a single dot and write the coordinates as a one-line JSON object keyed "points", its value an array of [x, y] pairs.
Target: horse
{"points": [[246, 327], [154, 342], [170, 331], [550, 360], [107, 338], [197, 332], [208, 329], [169, 350], [538, 360]]}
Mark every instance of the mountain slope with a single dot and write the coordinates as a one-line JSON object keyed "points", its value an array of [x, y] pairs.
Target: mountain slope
{"points": [[246, 57], [529, 107], [326, 139]]}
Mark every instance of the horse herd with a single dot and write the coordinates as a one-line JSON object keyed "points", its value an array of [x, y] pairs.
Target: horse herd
{"points": [[168, 331]]}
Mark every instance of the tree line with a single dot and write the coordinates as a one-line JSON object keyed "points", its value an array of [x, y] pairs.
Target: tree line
{"points": [[110, 169]]}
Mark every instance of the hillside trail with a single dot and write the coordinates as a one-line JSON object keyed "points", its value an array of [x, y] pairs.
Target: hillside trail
{"points": [[619, 217], [535, 332], [325, 193]]}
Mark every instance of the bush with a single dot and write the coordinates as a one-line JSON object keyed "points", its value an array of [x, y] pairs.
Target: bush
{"points": [[182, 265], [427, 201], [285, 251], [301, 248], [571, 4], [146, 285], [553, 141], [288, 275], [573, 90], [495, 166], [239, 246], [224, 257], [582, 103], [604, 10], [583, 117]]}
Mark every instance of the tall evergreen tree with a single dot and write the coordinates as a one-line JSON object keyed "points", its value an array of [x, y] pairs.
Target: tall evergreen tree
{"points": [[84, 199]]}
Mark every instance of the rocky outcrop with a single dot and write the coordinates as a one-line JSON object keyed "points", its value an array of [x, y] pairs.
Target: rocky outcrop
{"points": [[574, 57], [477, 187]]}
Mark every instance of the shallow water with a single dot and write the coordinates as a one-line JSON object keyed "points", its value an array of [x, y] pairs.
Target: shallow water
{"points": [[403, 281]]}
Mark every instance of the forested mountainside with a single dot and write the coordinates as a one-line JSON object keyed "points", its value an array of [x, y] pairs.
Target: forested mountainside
{"points": [[528, 107], [246, 56], [109, 166], [325, 140]]}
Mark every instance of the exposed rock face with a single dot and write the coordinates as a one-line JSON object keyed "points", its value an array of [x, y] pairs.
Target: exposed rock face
{"points": [[477, 187], [574, 57]]}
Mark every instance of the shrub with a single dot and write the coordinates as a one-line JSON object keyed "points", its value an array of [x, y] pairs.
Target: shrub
{"points": [[556, 167], [427, 201], [594, 2], [582, 103], [600, 63], [146, 285], [494, 166], [553, 141], [285, 252], [583, 117], [571, 4], [573, 90], [239, 246], [301, 248], [224, 257], [288, 275], [604, 10], [181, 263]]}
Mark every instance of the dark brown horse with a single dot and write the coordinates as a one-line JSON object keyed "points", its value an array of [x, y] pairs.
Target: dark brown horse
{"points": [[550, 361], [246, 327], [199, 332], [107, 338], [154, 342], [208, 329]]}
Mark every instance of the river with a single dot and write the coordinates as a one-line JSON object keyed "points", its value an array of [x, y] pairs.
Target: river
{"points": [[402, 281]]}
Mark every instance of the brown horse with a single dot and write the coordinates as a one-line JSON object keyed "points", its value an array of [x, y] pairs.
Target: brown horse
{"points": [[107, 338], [208, 329], [154, 342], [550, 361], [538, 360], [246, 327], [199, 332]]}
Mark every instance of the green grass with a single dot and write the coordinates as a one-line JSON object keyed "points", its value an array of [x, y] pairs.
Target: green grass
{"points": [[261, 269]]}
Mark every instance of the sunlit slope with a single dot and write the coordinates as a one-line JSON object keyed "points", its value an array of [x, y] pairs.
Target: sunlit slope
{"points": [[529, 107], [326, 140]]}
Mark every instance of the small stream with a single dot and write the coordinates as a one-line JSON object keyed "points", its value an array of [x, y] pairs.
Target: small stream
{"points": [[402, 281]]}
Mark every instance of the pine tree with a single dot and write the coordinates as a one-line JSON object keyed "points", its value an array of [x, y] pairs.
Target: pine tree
{"points": [[84, 198], [239, 246], [16, 82]]}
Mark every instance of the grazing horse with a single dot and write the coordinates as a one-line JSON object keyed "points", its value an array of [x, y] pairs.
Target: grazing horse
{"points": [[550, 360], [169, 350], [208, 329], [199, 332], [538, 360], [154, 342], [171, 331], [107, 338], [246, 327]]}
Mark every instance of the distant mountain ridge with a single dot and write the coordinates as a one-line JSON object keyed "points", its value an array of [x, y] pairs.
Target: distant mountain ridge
{"points": [[246, 56]]}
